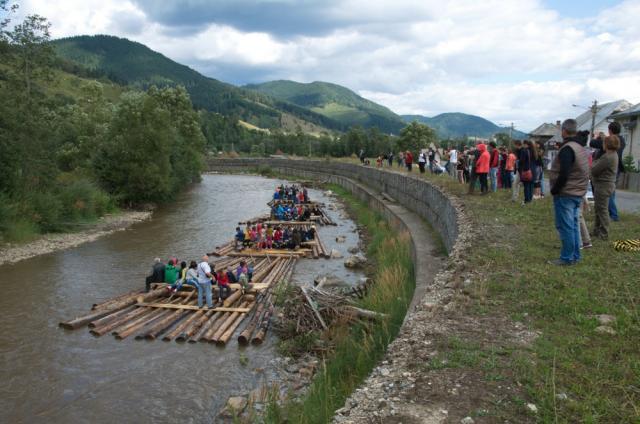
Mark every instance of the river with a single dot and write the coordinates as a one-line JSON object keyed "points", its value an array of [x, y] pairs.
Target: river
{"points": [[58, 376]]}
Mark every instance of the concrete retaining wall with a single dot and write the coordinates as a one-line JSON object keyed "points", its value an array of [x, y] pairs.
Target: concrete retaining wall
{"points": [[412, 192]]}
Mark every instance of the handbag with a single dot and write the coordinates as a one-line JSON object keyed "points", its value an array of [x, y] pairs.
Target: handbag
{"points": [[526, 176]]}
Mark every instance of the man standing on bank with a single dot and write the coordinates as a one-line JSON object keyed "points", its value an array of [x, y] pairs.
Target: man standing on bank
{"points": [[569, 177]]}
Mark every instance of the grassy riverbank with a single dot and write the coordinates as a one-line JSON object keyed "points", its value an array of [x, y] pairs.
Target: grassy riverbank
{"points": [[572, 371], [359, 348]]}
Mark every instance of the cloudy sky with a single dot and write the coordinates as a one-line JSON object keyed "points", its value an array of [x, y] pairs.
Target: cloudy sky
{"points": [[521, 61]]}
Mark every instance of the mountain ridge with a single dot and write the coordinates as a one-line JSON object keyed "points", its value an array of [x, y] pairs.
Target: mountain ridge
{"points": [[333, 101], [132, 63], [458, 124]]}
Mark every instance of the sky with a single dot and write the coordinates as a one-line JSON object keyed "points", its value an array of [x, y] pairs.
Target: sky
{"points": [[523, 61]]}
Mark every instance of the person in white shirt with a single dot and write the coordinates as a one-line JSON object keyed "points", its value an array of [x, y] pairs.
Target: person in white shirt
{"points": [[422, 160], [453, 162], [204, 281]]}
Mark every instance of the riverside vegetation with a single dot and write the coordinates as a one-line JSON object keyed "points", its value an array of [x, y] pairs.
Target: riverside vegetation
{"points": [[72, 151], [358, 348]]}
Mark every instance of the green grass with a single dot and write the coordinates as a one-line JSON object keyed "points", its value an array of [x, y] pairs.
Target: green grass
{"points": [[599, 373], [342, 113], [359, 348]]}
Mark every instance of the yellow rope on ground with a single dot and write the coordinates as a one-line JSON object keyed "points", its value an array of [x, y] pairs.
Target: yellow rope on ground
{"points": [[627, 245]]}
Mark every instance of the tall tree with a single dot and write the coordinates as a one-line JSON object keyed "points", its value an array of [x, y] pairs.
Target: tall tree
{"points": [[416, 136], [31, 49], [133, 161]]}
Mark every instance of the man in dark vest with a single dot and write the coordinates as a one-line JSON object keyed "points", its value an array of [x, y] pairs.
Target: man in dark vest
{"points": [[569, 178]]}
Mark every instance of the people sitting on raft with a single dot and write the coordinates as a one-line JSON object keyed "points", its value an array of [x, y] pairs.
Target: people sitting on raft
{"points": [[242, 275], [284, 212], [197, 275], [267, 236], [292, 193], [239, 238], [157, 274], [224, 290]]}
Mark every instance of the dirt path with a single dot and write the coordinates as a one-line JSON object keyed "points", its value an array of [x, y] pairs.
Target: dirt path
{"points": [[53, 242]]}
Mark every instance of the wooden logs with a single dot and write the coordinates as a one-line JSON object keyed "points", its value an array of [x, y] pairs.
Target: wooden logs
{"points": [[184, 326], [231, 299], [264, 326], [206, 327], [86, 319], [245, 335], [109, 302], [163, 325], [190, 330], [230, 330], [225, 325], [112, 317]]}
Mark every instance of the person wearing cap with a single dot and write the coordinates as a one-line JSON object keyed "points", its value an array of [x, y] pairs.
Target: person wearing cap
{"points": [[157, 274]]}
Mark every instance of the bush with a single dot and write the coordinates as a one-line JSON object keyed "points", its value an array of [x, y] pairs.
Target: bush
{"points": [[629, 164], [45, 210], [52, 211], [21, 231], [83, 200]]}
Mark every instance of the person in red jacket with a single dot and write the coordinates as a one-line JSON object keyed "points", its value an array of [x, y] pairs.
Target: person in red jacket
{"points": [[482, 167], [408, 160]]}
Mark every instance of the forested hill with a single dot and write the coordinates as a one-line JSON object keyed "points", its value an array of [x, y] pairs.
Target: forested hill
{"points": [[335, 102], [457, 125], [135, 64]]}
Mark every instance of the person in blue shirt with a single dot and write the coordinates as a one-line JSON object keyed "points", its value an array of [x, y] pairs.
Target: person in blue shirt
{"points": [[239, 238]]}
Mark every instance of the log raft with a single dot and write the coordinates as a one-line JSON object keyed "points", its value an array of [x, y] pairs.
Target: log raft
{"points": [[176, 316]]}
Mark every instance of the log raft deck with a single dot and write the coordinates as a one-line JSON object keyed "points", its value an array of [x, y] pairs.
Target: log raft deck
{"points": [[176, 316]]}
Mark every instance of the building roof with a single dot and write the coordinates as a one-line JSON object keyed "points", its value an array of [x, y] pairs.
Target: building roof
{"points": [[633, 110], [545, 130], [604, 111]]}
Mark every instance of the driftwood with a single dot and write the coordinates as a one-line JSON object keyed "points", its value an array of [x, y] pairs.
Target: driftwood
{"points": [[363, 313], [314, 307], [311, 309]]}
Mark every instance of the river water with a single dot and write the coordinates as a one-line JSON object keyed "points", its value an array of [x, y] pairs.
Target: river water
{"points": [[53, 375]]}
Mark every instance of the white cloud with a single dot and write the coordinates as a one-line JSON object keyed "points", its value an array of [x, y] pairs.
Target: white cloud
{"points": [[504, 60]]}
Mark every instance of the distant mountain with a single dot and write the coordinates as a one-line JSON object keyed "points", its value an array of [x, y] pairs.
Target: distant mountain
{"points": [[333, 101], [456, 125], [135, 64]]}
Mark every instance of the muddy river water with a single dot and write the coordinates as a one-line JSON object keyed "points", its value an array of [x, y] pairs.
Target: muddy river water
{"points": [[53, 375]]}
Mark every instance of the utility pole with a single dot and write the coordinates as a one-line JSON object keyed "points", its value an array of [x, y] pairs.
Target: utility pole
{"points": [[511, 136], [594, 110]]}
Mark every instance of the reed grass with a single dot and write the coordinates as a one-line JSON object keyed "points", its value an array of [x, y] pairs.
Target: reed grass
{"points": [[359, 348]]}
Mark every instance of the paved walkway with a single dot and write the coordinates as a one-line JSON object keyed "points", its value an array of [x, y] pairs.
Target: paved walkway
{"points": [[628, 201]]}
